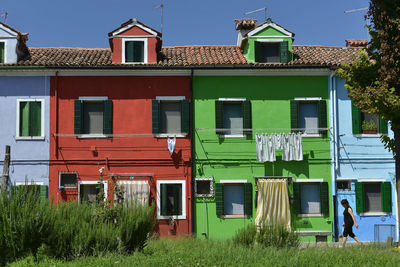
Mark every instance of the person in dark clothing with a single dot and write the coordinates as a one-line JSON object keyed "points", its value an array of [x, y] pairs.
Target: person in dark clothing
{"points": [[349, 221]]}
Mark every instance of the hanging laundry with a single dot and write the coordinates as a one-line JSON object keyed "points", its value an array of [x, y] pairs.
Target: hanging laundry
{"points": [[298, 147], [171, 144], [292, 150], [259, 147], [278, 140], [270, 148], [285, 147]]}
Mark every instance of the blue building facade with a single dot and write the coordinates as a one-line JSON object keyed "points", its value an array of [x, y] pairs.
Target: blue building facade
{"points": [[363, 170], [25, 109]]}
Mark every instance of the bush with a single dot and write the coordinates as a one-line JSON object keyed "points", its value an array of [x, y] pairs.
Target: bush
{"points": [[267, 236], [68, 230]]}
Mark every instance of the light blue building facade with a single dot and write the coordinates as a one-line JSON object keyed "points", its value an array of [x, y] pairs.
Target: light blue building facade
{"points": [[363, 170]]}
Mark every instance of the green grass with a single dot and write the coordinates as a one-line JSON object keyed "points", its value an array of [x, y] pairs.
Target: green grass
{"points": [[191, 252]]}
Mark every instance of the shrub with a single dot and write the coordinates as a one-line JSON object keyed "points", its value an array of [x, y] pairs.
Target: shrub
{"points": [[68, 230], [267, 236]]}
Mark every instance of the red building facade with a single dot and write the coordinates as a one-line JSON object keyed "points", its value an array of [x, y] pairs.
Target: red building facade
{"points": [[126, 128]]}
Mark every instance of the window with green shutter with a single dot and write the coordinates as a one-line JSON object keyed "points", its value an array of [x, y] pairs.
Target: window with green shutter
{"points": [[324, 198], [134, 51], [367, 123], [386, 195], [360, 201], [294, 115], [170, 117], [297, 198], [30, 118], [248, 199], [2, 52], [185, 116], [93, 117], [219, 199], [356, 119], [233, 117], [284, 52], [322, 116], [308, 116]]}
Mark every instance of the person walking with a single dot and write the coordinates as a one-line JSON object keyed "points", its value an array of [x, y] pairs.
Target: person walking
{"points": [[349, 221]]}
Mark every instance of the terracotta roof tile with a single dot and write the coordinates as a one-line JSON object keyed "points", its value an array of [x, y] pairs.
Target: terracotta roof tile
{"points": [[186, 56], [356, 42]]}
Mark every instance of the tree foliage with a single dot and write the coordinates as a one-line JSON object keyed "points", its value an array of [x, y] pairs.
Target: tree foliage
{"points": [[373, 80]]}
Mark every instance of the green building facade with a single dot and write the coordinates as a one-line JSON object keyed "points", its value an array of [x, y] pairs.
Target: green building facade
{"points": [[229, 108]]}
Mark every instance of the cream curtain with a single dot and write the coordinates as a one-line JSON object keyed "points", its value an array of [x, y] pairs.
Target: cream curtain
{"points": [[273, 202], [135, 191]]}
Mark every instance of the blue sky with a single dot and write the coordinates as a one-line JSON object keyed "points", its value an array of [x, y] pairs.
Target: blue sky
{"points": [[85, 23]]}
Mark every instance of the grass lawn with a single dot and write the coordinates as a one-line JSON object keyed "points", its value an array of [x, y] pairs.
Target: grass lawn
{"points": [[191, 252]]}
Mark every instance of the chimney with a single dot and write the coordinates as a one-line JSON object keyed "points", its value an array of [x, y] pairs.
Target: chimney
{"points": [[360, 43], [243, 26]]}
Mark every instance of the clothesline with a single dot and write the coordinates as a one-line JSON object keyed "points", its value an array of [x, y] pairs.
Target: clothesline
{"points": [[265, 129]]}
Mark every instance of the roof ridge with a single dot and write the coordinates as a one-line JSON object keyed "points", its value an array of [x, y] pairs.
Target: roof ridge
{"points": [[179, 46], [323, 46], [63, 47]]}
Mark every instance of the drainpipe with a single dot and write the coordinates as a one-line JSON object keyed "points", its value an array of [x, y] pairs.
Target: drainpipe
{"points": [[191, 132], [334, 149], [56, 114]]}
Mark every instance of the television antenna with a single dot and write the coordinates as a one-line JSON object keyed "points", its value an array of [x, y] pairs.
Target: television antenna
{"points": [[160, 7], [5, 17], [356, 10], [258, 10]]}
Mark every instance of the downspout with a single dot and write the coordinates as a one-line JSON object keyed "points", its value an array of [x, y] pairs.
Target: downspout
{"points": [[191, 132], [56, 113]]}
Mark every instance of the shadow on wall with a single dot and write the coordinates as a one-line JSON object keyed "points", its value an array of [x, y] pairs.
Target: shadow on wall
{"points": [[283, 168]]}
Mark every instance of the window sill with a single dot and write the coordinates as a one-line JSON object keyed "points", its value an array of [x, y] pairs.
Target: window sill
{"points": [[177, 135], [374, 213], [313, 233], [175, 217], [29, 138], [368, 135], [233, 216], [310, 215], [311, 135], [88, 136], [232, 135], [134, 63]]}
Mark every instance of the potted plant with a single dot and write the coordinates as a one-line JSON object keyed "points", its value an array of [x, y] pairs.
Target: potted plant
{"points": [[369, 127], [172, 225]]}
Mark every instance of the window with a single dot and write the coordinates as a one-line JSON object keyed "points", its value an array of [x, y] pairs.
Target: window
{"points": [[271, 52], [93, 117], [204, 187], [170, 117], [36, 188], [233, 117], [171, 200], [343, 185], [233, 199], [308, 116], [30, 118], [134, 51], [68, 180], [2, 52], [89, 192], [373, 197], [311, 198], [367, 123]]}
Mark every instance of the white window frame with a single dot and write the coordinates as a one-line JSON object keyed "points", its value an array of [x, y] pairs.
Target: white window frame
{"points": [[234, 182], [80, 182], [92, 99], [145, 47], [68, 187], [309, 100], [232, 100], [211, 186], [344, 180], [5, 52], [171, 99], [275, 41], [176, 217], [313, 181], [42, 103]]}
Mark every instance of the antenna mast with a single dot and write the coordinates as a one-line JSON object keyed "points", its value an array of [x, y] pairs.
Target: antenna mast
{"points": [[5, 17], [160, 7], [257, 10], [356, 10]]}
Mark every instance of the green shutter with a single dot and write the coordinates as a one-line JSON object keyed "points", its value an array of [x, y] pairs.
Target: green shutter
{"points": [[219, 116], [164, 200], [284, 51], [185, 116], [257, 51], [35, 118], [24, 111], [248, 199], [179, 200], [2, 52], [108, 117], [324, 198], [383, 126], [386, 195], [156, 116], [322, 116], [138, 51], [360, 201], [297, 198], [129, 48], [78, 117], [43, 192], [246, 111], [356, 118], [294, 114], [219, 199]]}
